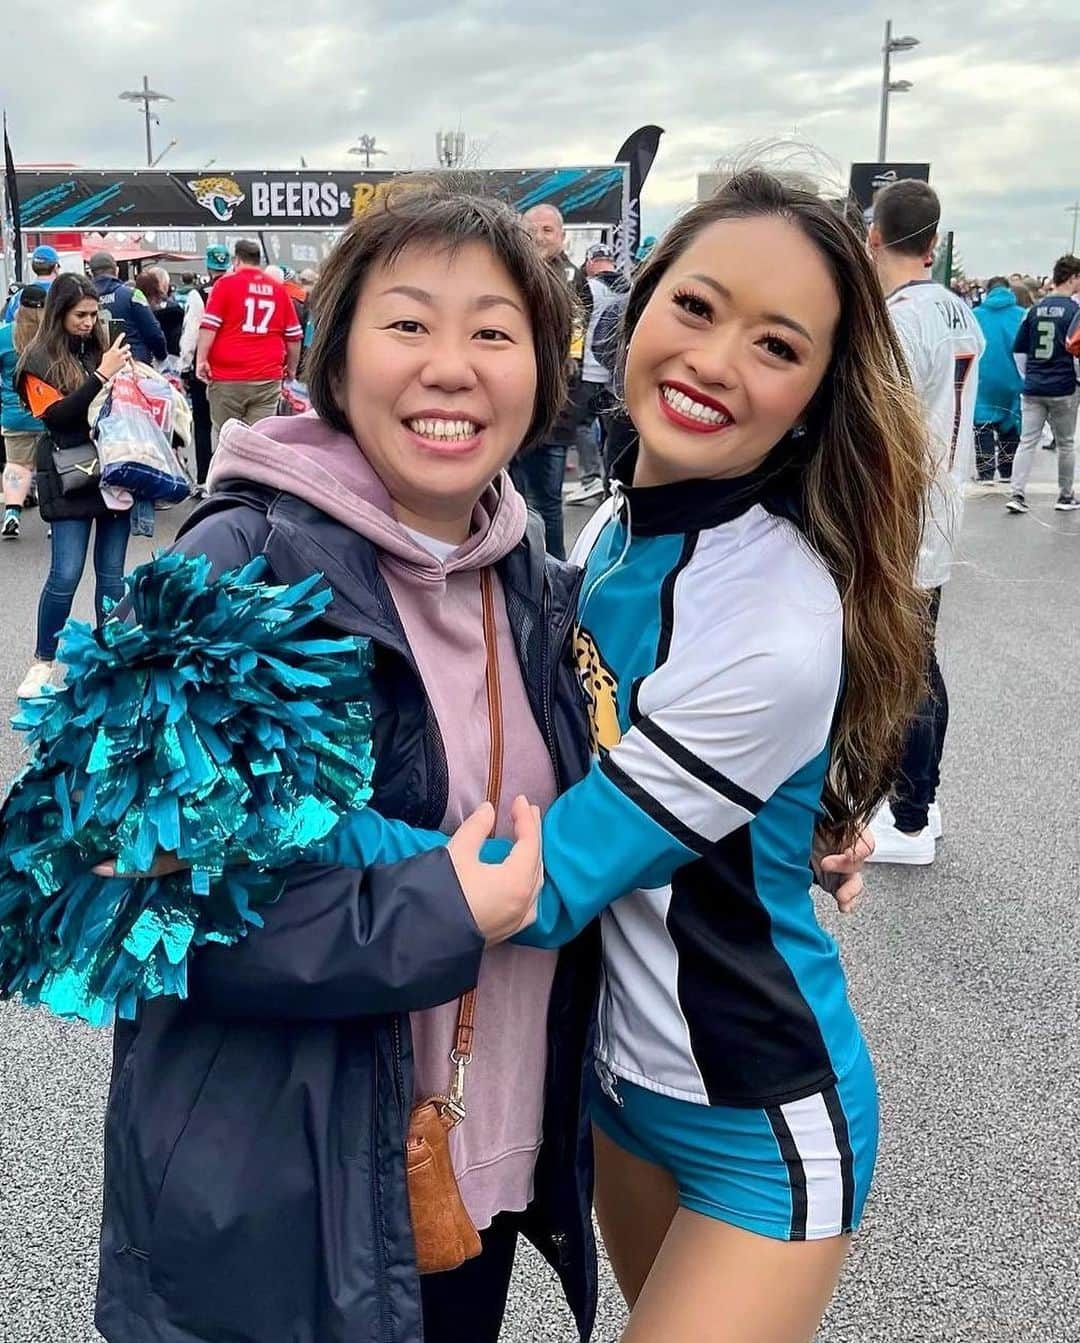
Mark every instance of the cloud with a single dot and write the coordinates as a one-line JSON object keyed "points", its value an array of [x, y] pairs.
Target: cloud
{"points": [[995, 107]]}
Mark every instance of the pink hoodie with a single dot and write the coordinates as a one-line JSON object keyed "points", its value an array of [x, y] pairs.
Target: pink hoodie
{"points": [[495, 1148]]}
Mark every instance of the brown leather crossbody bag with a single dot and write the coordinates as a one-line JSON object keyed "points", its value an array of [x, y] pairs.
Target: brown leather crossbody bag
{"points": [[443, 1231]]}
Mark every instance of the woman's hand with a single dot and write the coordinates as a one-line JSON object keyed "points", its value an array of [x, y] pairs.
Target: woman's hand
{"points": [[841, 873], [116, 357], [502, 896]]}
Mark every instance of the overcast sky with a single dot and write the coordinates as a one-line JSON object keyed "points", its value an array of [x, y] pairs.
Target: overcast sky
{"points": [[995, 107]]}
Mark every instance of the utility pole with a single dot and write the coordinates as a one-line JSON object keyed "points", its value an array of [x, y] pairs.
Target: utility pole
{"points": [[147, 96], [1073, 210]]}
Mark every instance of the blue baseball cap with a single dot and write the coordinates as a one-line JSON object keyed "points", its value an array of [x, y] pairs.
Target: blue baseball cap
{"points": [[217, 257], [49, 255]]}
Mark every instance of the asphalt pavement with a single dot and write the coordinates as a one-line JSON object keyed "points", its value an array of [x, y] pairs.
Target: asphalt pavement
{"points": [[965, 974]]}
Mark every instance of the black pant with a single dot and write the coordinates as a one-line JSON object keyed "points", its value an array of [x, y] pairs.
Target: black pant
{"points": [[995, 444], [916, 785], [539, 477], [467, 1305], [200, 417]]}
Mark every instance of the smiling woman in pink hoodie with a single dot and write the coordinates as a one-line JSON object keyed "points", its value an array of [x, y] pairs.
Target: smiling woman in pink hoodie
{"points": [[255, 1158]]}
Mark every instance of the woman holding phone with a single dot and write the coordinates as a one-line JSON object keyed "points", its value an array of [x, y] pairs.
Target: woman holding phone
{"points": [[58, 376]]}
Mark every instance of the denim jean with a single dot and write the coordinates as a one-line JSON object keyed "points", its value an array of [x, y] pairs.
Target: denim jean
{"points": [[539, 477], [70, 542], [916, 785], [995, 446], [1060, 413]]}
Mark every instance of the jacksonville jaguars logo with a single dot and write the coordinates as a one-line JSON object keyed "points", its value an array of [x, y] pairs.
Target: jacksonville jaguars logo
{"points": [[219, 195], [601, 693]]}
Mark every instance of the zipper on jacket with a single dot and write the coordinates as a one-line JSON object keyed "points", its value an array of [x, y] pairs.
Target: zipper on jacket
{"points": [[377, 1208], [547, 679]]}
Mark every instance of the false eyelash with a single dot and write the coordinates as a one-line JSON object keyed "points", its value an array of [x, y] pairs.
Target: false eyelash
{"points": [[681, 294]]}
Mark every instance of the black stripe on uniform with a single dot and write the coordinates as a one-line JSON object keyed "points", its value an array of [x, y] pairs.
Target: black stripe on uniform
{"points": [[796, 1172], [702, 771], [649, 805], [667, 618], [839, 1123]]}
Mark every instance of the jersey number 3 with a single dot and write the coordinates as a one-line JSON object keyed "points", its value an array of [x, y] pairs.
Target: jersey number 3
{"points": [[962, 371], [257, 326]]}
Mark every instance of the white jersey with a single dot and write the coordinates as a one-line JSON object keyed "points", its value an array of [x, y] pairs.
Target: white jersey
{"points": [[942, 343]]}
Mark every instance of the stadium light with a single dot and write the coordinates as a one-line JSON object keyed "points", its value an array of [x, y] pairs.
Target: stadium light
{"points": [[889, 85]]}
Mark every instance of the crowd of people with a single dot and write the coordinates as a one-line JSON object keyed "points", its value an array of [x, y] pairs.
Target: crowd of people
{"points": [[732, 684]]}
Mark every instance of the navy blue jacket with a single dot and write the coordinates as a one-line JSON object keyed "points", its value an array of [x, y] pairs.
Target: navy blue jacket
{"points": [[254, 1163], [130, 311]]}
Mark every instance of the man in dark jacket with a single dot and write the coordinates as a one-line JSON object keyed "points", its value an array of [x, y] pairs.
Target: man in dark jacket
{"points": [[127, 310], [539, 476]]}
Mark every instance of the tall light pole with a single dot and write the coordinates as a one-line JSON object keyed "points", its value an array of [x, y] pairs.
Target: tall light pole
{"points": [[890, 85], [1073, 210], [147, 96], [365, 144]]}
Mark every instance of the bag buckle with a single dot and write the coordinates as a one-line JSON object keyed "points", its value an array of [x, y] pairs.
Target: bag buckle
{"points": [[455, 1102]]}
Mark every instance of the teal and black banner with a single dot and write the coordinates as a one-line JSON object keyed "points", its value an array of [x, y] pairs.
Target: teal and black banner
{"points": [[155, 199]]}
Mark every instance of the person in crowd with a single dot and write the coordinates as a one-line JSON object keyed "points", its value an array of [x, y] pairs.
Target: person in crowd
{"points": [[126, 310], [1050, 387], [942, 343], [19, 428], [594, 400], [752, 642], [997, 406], [540, 474], [217, 265], [440, 352], [58, 375], [1022, 293], [249, 341], [188, 281], [308, 279], [45, 267], [155, 283]]}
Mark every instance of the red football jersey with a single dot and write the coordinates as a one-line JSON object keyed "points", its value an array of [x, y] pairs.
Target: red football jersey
{"points": [[253, 317]]}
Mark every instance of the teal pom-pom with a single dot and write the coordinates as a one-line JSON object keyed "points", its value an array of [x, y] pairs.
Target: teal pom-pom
{"points": [[208, 722]]}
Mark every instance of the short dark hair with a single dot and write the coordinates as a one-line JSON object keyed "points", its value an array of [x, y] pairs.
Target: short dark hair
{"points": [[187, 277], [996, 282], [907, 215], [44, 267], [1066, 268], [441, 215], [250, 253]]}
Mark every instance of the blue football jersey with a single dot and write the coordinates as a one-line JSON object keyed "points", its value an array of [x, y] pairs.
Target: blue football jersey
{"points": [[1051, 370]]}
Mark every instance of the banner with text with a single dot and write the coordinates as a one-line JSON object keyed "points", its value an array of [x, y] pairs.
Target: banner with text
{"points": [[867, 179], [153, 199]]}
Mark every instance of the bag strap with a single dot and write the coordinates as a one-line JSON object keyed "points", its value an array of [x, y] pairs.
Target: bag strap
{"points": [[462, 1053]]}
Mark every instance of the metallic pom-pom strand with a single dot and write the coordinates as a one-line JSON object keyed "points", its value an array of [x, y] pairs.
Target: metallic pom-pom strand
{"points": [[204, 718]]}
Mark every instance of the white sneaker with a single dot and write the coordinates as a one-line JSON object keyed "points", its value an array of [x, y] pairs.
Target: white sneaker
{"points": [[585, 494], [35, 680], [884, 816], [894, 846]]}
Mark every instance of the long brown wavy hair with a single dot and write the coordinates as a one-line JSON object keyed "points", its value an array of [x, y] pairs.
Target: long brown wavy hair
{"points": [[51, 350], [865, 479]]}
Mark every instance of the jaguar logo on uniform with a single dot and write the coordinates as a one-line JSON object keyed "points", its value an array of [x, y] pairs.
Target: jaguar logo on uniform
{"points": [[220, 195]]}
